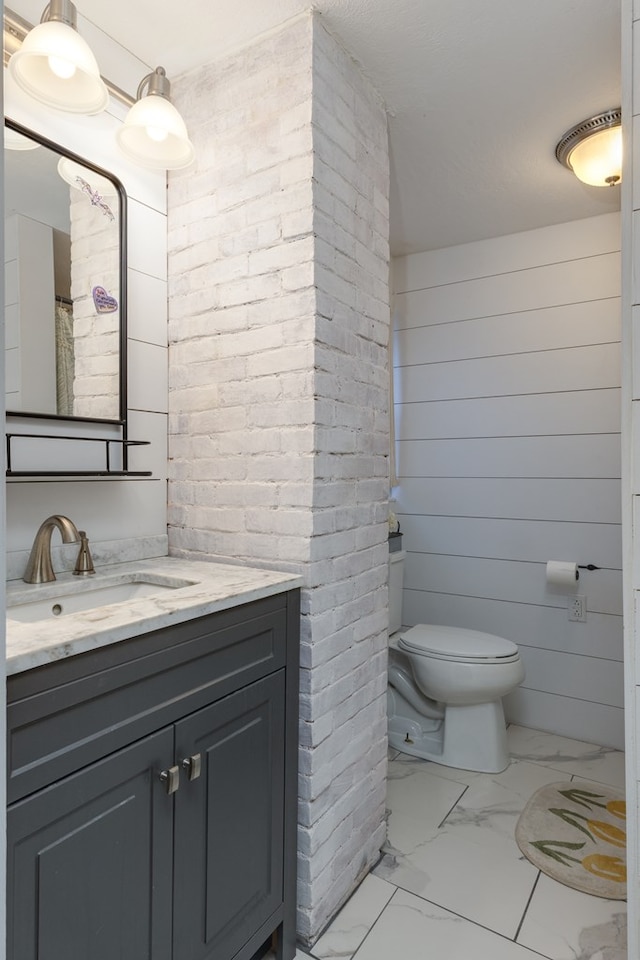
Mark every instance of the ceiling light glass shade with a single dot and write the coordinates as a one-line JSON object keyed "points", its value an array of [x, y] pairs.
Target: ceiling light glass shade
{"points": [[593, 150], [153, 133], [598, 160], [55, 66]]}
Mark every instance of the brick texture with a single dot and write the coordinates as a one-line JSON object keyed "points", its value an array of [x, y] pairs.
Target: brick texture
{"points": [[95, 261], [279, 314]]}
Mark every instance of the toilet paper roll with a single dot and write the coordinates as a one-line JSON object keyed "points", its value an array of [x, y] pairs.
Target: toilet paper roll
{"points": [[562, 573]]}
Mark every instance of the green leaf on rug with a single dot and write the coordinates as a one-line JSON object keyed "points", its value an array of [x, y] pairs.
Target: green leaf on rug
{"points": [[581, 797], [544, 846], [569, 816]]}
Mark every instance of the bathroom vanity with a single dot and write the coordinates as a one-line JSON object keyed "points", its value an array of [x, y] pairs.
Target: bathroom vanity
{"points": [[152, 768]]}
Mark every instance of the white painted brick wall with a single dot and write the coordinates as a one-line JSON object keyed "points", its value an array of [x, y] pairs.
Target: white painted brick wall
{"points": [[278, 330], [95, 261]]}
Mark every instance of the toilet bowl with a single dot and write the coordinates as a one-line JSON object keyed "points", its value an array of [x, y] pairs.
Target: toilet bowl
{"points": [[445, 695]]}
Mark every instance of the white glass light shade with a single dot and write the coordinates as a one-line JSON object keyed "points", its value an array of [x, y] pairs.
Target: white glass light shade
{"points": [[73, 173], [16, 141], [155, 136], [55, 66], [597, 160]]}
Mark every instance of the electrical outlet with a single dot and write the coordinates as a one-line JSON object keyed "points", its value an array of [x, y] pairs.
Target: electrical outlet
{"points": [[577, 608]]}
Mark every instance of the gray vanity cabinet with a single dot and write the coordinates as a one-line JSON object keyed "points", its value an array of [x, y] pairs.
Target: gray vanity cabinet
{"points": [[229, 823], [152, 788], [79, 859]]}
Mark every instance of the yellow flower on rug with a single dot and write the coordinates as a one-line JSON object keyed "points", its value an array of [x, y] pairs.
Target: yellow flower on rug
{"points": [[574, 832]]}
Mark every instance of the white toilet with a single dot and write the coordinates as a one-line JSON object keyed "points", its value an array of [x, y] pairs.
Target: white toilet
{"points": [[445, 689]]}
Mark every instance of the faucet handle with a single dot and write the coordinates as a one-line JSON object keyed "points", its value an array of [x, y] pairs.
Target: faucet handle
{"points": [[84, 563]]}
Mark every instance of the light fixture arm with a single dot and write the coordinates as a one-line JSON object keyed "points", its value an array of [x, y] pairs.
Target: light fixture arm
{"points": [[63, 11], [157, 85]]}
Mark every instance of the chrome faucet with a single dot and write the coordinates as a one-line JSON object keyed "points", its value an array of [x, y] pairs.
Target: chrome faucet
{"points": [[39, 568]]}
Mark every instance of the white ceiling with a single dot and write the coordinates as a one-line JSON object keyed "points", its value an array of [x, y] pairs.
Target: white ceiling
{"points": [[478, 94]]}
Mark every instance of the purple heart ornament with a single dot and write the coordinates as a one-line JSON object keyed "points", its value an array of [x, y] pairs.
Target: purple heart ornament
{"points": [[103, 302]]}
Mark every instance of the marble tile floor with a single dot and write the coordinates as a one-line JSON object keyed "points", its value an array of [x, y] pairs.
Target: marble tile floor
{"points": [[452, 883]]}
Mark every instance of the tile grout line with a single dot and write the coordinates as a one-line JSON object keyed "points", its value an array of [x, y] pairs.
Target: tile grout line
{"points": [[475, 923], [372, 927], [452, 808], [329, 926], [528, 903], [571, 776]]}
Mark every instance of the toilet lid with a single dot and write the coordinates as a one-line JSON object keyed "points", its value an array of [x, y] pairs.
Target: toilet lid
{"points": [[455, 643]]}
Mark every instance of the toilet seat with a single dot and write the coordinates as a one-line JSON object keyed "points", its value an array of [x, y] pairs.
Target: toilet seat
{"points": [[457, 645]]}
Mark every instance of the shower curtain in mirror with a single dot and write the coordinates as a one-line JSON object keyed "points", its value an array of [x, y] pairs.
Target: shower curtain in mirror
{"points": [[65, 360]]}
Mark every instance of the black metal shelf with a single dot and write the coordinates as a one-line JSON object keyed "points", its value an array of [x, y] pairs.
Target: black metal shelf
{"points": [[79, 474], [108, 472]]}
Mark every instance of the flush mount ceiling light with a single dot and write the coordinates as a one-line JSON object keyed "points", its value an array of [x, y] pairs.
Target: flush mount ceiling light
{"points": [[55, 65], [593, 149], [154, 134]]}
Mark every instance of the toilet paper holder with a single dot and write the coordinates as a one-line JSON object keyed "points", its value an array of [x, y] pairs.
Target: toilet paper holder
{"points": [[565, 574]]}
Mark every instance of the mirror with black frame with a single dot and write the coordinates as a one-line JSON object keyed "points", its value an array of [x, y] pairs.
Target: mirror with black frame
{"points": [[65, 337]]}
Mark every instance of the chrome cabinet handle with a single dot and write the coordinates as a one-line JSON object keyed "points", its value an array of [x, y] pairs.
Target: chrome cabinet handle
{"points": [[193, 766], [171, 779]]}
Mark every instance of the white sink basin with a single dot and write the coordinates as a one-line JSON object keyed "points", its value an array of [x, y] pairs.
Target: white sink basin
{"points": [[74, 598]]}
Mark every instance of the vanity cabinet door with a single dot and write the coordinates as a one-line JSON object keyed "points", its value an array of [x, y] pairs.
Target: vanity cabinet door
{"points": [[228, 854], [81, 857]]}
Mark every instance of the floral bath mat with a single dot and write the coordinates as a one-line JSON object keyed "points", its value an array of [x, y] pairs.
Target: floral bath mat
{"points": [[575, 833]]}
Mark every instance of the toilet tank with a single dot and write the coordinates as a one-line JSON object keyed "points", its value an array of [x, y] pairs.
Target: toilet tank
{"points": [[396, 572]]}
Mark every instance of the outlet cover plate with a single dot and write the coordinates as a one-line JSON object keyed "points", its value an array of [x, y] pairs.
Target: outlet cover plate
{"points": [[577, 608]]}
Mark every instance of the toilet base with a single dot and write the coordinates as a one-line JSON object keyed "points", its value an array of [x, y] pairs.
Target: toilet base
{"points": [[471, 737]]}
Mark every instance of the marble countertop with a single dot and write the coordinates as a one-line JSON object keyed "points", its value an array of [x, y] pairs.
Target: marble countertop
{"points": [[211, 587]]}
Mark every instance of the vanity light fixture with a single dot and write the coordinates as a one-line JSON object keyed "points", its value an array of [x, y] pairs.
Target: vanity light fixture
{"points": [[153, 133], [55, 65], [593, 149]]}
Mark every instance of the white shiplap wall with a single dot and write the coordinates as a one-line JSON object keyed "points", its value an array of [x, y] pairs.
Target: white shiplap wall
{"points": [[631, 442], [507, 380]]}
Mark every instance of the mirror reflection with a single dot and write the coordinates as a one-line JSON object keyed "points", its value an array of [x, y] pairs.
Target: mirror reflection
{"points": [[63, 284]]}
